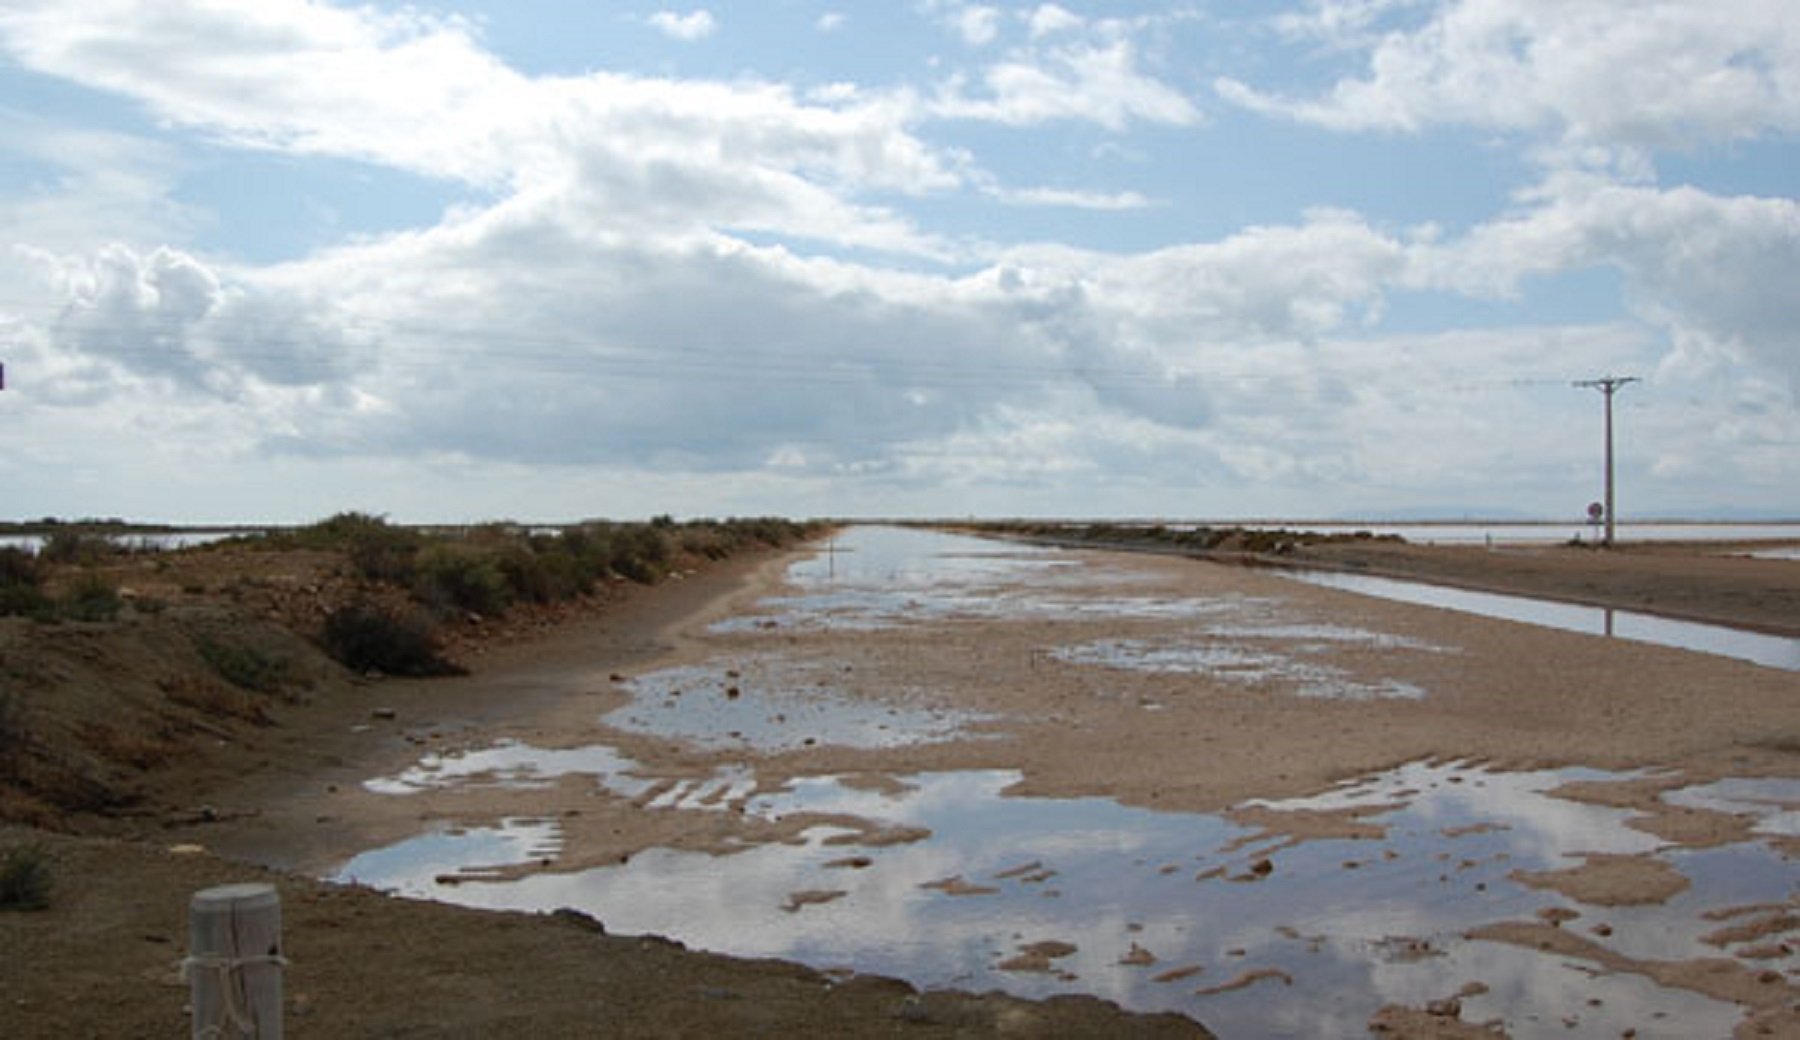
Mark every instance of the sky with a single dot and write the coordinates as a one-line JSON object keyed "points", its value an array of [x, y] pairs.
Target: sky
{"points": [[540, 260]]}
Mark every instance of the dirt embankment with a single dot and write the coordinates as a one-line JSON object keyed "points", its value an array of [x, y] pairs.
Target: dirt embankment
{"points": [[1713, 582], [117, 738], [1718, 584]]}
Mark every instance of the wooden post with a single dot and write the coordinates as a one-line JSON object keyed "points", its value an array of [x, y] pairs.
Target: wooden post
{"points": [[234, 962]]}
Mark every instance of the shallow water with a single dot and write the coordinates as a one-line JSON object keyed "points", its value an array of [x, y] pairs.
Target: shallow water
{"points": [[1158, 909], [876, 578], [1140, 894], [768, 705], [1756, 647]]}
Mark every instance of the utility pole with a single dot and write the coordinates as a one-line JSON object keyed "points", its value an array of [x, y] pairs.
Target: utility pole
{"points": [[1607, 385]]}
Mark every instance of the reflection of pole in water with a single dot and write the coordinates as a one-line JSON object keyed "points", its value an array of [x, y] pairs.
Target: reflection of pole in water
{"points": [[1609, 621]]}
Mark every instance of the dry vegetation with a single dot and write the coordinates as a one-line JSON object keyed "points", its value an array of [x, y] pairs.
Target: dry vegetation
{"points": [[115, 657]]}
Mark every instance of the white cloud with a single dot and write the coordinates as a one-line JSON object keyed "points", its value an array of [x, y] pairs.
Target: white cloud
{"points": [[1100, 83], [695, 25], [88, 185], [978, 25], [316, 80], [831, 21], [398, 89], [1112, 202], [608, 297], [1705, 267], [1582, 73], [1049, 19]]}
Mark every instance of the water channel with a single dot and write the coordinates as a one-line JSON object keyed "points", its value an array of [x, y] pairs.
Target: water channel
{"points": [[1253, 934]]}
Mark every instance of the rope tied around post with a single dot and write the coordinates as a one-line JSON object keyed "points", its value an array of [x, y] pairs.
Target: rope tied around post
{"points": [[237, 1017]]}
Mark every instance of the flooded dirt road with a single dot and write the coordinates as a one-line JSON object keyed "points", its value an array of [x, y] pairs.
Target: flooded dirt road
{"points": [[1280, 809]]}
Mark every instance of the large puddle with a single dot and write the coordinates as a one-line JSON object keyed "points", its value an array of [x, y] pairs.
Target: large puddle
{"points": [[882, 577], [1756, 647], [1295, 918], [1251, 932]]}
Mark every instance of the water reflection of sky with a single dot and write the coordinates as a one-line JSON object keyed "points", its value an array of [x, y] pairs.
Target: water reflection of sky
{"points": [[1339, 917], [874, 578], [1354, 924], [769, 705], [1757, 647]]}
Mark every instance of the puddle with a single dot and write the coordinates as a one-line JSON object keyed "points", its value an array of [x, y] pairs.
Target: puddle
{"points": [[425, 866], [1775, 801], [1237, 664], [1251, 933], [513, 765], [1756, 647], [1157, 910], [771, 706], [875, 578]]}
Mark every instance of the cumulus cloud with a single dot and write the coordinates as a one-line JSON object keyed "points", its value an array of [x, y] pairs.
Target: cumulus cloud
{"points": [[713, 278], [1582, 73], [311, 79], [1695, 263]]}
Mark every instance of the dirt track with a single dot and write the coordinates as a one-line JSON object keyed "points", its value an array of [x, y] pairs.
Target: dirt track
{"points": [[1509, 695]]}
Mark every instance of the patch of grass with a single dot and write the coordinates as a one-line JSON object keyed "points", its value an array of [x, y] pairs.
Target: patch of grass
{"points": [[367, 638], [91, 598], [25, 879], [22, 584], [214, 698], [135, 749], [14, 735], [244, 666]]}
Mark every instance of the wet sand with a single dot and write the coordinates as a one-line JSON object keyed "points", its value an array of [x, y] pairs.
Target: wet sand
{"points": [[1436, 686]]}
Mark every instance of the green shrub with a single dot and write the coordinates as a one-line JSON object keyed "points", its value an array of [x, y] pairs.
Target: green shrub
{"points": [[638, 552], [25, 879], [21, 584], [244, 666], [77, 547], [91, 598], [467, 577], [378, 550], [366, 638]]}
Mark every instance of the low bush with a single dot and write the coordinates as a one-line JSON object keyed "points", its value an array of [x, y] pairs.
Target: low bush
{"points": [[77, 547], [91, 598], [638, 552], [25, 879], [244, 666], [21, 584], [463, 576], [378, 550], [367, 638]]}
